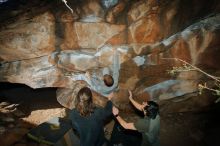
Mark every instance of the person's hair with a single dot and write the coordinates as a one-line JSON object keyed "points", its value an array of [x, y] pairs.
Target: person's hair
{"points": [[84, 102], [152, 109], [108, 80]]}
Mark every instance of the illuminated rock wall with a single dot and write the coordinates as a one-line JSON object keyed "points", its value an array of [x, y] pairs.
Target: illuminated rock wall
{"points": [[45, 47]]}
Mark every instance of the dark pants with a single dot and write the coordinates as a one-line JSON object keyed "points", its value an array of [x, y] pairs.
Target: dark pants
{"points": [[123, 137]]}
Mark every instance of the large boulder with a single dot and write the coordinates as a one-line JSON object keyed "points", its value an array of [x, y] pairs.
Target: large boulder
{"points": [[46, 47]]}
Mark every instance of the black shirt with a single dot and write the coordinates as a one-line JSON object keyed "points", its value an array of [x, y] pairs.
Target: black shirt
{"points": [[91, 128]]}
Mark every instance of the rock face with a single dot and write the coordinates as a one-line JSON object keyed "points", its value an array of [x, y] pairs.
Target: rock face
{"points": [[46, 47], [33, 38]]}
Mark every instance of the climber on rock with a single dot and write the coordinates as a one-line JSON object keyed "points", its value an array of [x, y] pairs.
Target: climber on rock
{"points": [[105, 80]]}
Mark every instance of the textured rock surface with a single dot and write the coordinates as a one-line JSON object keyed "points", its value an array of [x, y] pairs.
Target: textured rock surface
{"points": [[32, 39], [44, 48]]}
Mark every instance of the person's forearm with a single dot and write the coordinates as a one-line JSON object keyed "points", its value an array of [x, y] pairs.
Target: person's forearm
{"points": [[136, 104], [124, 124]]}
